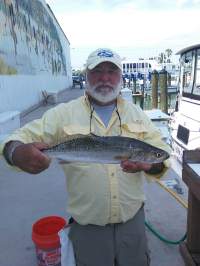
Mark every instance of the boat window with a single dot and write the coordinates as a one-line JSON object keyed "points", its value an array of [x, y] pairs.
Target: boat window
{"points": [[196, 90], [187, 72]]}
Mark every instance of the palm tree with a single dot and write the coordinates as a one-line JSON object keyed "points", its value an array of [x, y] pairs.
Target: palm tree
{"points": [[161, 58], [168, 53]]}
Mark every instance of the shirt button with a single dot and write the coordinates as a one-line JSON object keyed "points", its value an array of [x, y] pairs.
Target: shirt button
{"points": [[114, 197], [114, 214], [112, 174]]}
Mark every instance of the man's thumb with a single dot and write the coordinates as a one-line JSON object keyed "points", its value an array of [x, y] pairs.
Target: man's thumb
{"points": [[40, 145]]}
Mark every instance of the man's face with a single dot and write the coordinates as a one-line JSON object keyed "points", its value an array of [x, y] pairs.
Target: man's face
{"points": [[104, 82]]}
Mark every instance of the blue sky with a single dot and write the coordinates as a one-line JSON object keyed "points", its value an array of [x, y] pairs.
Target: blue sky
{"points": [[134, 28]]}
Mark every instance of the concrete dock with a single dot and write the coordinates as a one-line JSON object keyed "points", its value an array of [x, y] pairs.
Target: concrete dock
{"points": [[24, 198]]}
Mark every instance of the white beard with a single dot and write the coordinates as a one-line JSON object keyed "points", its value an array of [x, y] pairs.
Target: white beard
{"points": [[103, 93]]}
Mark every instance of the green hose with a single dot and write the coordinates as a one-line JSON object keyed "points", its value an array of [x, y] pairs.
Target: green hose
{"points": [[162, 238], [149, 226]]}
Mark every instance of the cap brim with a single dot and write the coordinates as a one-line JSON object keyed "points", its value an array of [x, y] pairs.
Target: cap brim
{"points": [[101, 60]]}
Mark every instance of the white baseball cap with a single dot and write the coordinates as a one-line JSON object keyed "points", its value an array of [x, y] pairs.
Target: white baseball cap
{"points": [[103, 55]]}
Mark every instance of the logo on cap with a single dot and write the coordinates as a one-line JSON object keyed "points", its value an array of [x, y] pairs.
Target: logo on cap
{"points": [[105, 53]]}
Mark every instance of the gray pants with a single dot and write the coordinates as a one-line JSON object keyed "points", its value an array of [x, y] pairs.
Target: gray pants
{"points": [[122, 244]]}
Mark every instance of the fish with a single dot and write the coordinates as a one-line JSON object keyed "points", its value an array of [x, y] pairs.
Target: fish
{"points": [[105, 150]]}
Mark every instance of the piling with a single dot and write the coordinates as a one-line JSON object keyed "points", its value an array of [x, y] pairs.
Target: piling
{"points": [[169, 79], [134, 85], [163, 91], [154, 86]]}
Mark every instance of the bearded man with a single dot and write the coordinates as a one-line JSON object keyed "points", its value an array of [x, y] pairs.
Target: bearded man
{"points": [[106, 201]]}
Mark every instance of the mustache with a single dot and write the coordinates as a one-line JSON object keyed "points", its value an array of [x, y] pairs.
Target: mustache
{"points": [[103, 85]]}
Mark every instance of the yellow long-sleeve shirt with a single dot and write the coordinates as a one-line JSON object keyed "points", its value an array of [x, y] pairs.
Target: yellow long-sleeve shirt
{"points": [[98, 193]]}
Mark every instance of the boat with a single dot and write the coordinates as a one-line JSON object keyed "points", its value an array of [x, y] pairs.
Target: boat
{"points": [[185, 120]]}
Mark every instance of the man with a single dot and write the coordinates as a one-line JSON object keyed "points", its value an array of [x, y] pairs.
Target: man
{"points": [[105, 201]]}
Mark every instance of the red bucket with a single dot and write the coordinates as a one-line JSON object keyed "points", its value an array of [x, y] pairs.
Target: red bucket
{"points": [[46, 239]]}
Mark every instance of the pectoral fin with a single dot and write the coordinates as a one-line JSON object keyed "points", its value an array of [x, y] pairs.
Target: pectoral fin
{"points": [[122, 157]]}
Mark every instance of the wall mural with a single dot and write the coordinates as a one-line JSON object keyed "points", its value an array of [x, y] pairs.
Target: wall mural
{"points": [[29, 40]]}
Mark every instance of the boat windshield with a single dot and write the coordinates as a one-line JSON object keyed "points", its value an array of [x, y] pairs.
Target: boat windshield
{"points": [[187, 73], [196, 90], [190, 73]]}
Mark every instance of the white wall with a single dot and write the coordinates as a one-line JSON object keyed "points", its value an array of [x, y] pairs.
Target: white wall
{"points": [[37, 52], [21, 92]]}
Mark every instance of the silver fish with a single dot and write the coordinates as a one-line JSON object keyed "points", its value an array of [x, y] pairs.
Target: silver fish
{"points": [[106, 150]]}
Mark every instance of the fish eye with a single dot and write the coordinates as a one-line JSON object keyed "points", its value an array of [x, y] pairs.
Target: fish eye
{"points": [[158, 154]]}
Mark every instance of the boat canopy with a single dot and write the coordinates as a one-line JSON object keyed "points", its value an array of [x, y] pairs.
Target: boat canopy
{"points": [[187, 49]]}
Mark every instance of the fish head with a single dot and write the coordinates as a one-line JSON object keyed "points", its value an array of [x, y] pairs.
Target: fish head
{"points": [[149, 155], [156, 156]]}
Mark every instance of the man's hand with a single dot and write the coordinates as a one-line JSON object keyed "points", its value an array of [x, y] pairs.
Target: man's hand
{"points": [[29, 157], [133, 167]]}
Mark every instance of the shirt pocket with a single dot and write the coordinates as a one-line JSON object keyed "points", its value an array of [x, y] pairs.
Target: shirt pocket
{"points": [[134, 130], [74, 129], [71, 131]]}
